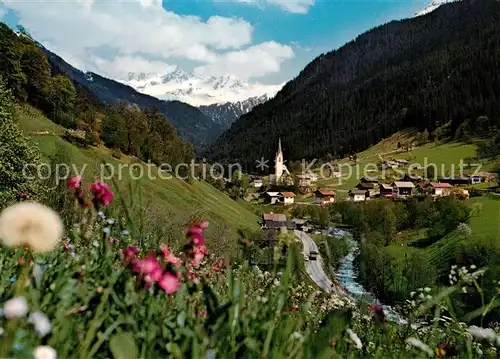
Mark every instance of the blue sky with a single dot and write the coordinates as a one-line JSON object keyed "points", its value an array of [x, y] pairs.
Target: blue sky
{"points": [[260, 41]]}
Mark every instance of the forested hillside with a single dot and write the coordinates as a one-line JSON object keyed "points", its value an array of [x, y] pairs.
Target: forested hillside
{"points": [[191, 123], [146, 133], [420, 72]]}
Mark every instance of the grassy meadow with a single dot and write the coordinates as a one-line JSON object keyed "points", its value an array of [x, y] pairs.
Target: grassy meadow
{"points": [[159, 200]]}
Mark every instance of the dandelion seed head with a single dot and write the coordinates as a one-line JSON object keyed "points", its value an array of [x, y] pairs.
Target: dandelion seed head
{"points": [[30, 224]]}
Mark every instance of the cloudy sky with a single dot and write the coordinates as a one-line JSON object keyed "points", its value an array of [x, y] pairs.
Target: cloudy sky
{"points": [[265, 41]]}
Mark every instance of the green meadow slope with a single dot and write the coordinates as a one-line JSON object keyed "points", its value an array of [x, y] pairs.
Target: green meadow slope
{"points": [[161, 201]]}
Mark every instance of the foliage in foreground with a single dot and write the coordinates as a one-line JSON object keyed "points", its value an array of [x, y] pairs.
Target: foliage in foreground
{"points": [[98, 294]]}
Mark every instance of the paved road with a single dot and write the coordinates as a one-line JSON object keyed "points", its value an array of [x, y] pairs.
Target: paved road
{"points": [[314, 268]]}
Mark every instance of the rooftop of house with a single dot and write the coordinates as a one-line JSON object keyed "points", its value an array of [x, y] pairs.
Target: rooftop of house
{"points": [[364, 185], [455, 178], [357, 191], [440, 185], [400, 160], [273, 194], [386, 186], [403, 184], [275, 217], [369, 179], [325, 192], [287, 194]]}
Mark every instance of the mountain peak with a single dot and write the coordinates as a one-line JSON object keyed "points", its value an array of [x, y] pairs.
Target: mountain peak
{"points": [[433, 5], [197, 90]]}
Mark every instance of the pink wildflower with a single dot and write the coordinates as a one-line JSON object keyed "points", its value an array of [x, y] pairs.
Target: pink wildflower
{"points": [[378, 313], [102, 194], [75, 183], [147, 265], [195, 234], [130, 252], [154, 276], [198, 254], [170, 257], [203, 313], [169, 283], [217, 265]]}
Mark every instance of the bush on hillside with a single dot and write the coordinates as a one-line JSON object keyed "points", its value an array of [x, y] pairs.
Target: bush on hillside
{"points": [[18, 159]]}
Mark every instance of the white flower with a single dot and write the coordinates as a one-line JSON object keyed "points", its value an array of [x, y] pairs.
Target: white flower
{"points": [[37, 273], [41, 323], [355, 339], [30, 224], [482, 333], [427, 289], [412, 294], [1, 331], [44, 352], [473, 266], [418, 344], [16, 307], [464, 289]]}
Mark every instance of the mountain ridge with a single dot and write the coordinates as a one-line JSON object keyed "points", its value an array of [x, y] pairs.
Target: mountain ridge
{"points": [[226, 113], [196, 90], [419, 72], [191, 124]]}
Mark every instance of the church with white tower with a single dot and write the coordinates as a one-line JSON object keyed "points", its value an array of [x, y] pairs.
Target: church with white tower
{"points": [[279, 166]]}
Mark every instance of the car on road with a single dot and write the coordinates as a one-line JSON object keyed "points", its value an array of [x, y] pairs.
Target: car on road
{"points": [[313, 255]]}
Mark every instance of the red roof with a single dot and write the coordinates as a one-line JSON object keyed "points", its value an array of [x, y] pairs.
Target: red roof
{"points": [[440, 185], [326, 192], [288, 194]]}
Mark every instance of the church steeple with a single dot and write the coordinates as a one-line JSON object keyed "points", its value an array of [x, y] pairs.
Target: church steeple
{"points": [[279, 145]]}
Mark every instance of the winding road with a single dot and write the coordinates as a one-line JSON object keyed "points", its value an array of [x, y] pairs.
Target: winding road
{"points": [[314, 268]]}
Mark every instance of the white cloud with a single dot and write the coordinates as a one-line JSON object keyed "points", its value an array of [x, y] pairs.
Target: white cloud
{"points": [[116, 37], [119, 67], [293, 6], [254, 61]]}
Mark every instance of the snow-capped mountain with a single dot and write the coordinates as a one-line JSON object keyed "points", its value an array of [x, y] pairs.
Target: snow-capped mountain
{"points": [[226, 113], [176, 84], [433, 6]]}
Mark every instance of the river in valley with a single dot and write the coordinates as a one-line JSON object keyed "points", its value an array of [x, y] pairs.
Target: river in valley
{"points": [[347, 276]]}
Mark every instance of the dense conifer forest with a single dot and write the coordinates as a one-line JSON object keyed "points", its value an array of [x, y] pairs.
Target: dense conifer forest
{"points": [[421, 72]]}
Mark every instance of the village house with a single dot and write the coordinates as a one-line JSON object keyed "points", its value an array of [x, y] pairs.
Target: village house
{"points": [[276, 221], [422, 187], [271, 197], [439, 189], [300, 224], [402, 189], [487, 176], [287, 197], [401, 162], [370, 180], [370, 187], [456, 180], [324, 196], [411, 178], [357, 195], [476, 179], [385, 190], [389, 165], [257, 183]]}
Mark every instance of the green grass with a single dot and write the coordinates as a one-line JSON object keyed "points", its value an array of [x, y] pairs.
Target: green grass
{"points": [[483, 226], [446, 156], [169, 197], [488, 221]]}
